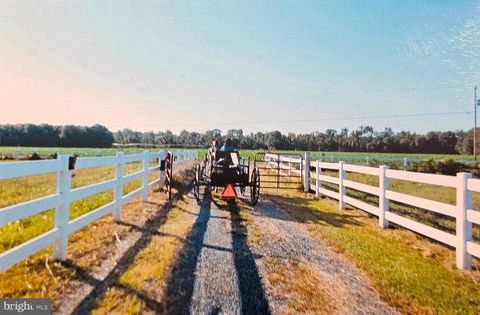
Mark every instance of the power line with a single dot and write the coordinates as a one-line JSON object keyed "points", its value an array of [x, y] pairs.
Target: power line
{"points": [[318, 119]]}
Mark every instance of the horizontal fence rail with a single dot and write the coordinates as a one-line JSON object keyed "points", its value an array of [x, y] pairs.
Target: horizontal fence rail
{"points": [[463, 213], [367, 160], [65, 195]]}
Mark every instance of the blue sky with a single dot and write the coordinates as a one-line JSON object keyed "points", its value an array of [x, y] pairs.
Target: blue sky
{"points": [[288, 65]]}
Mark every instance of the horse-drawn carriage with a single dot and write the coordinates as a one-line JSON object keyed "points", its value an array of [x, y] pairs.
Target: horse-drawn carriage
{"points": [[227, 170]]}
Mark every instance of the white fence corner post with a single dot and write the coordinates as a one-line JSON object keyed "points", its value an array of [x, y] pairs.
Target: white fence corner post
{"points": [[118, 193], [464, 227], [367, 161], [318, 183], [383, 203], [306, 174], [405, 164], [146, 166], [341, 187], [62, 211]]}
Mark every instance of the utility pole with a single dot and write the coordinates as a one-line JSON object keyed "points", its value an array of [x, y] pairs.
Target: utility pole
{"points": [[475, 123]]}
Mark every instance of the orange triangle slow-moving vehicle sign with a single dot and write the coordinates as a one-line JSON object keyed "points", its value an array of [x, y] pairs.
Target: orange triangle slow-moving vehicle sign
{"points": [[229, 192]]}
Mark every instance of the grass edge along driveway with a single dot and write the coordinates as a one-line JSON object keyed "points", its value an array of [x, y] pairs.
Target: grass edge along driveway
{"points": [[412, 274]]}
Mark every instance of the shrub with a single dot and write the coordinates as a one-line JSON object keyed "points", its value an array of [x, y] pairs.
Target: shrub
{"points": [[427, 166], [34, 156], [450, 167]]}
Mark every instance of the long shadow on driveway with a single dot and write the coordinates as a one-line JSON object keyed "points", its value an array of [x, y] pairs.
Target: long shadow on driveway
{"points": [[251, 289], [112, 279], [179, 290]]}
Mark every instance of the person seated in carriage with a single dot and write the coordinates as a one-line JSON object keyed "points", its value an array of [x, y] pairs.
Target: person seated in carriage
{"points": [[231, 159], [227, 146]]}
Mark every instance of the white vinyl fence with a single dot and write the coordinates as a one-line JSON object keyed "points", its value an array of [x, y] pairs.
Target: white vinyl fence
{"points": [[65, 195], [462, 211]]}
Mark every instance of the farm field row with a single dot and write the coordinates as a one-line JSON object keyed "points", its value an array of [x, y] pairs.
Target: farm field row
{"points": [[45, 152]]}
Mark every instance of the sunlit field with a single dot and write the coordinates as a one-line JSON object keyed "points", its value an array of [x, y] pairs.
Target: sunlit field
{"points": [[45, 152]]}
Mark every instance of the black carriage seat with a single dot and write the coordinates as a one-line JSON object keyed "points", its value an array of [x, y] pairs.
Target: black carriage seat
{"points": [[227, 169], [227, 159]]}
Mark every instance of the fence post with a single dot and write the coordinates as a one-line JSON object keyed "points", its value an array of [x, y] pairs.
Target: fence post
{"points": [[405, 164], [289, 165], [367, 161], [341, 187], [464, 227], [146, 166], [118, 194], [306, 175], [62, 211], [318, 183], [163, 154], [383, 203]]}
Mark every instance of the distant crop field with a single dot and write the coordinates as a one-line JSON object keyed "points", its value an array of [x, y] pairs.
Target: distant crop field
{"points": [[45, 152], [363, 155], [10, 153]]}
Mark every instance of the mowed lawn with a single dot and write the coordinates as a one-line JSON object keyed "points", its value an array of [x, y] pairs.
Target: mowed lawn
{"points": [[14, 191]]}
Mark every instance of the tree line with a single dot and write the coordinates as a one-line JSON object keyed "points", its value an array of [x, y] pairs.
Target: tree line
{"points": [[363, 139], [45, 135]]}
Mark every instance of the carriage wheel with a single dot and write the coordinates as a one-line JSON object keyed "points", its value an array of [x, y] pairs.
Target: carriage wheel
{"points": [[196, 183], [255, 186]]}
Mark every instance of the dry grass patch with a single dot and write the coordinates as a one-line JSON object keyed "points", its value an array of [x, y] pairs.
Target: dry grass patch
{"points": [[116, 301], [151, 266], [308, 293]]}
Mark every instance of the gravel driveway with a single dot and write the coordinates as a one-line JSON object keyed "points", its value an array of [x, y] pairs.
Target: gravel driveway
{"points": [[220, 272], [217, 274]]}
